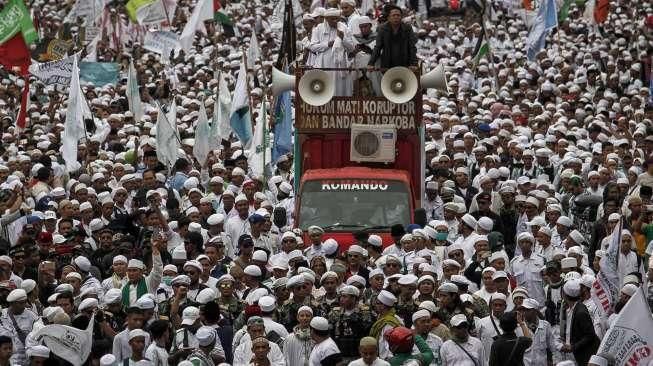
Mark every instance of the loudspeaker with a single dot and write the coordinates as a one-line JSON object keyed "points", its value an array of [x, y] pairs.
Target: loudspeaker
{"points": [[316, 87], [399, 84], [281, 81], [435, 79]]}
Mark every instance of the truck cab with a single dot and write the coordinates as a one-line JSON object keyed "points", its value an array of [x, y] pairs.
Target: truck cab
{"points": [[359, 161]]}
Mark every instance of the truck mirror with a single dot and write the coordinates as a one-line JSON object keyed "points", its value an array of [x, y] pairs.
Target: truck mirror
{"points": [[279, 217], [420, 217]]}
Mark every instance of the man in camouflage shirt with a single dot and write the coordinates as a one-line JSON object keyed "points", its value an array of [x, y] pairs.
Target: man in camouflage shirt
{"points": [[301, 295], [350, 322]]}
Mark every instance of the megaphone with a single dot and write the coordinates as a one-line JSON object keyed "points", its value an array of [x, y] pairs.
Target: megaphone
{"points": [[399, 84], [281, 81], [435, 79], [316, 87]]}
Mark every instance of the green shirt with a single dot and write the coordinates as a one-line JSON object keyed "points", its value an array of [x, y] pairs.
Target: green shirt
{"points": [[425, 356]]}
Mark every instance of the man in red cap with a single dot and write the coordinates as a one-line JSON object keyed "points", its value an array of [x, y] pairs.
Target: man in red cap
{"points": [[401, 341]]}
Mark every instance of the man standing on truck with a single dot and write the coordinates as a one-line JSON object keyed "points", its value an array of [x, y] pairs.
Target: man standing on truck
{"points": [[395, 42]]}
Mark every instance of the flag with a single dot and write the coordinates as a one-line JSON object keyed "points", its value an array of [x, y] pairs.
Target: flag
{"points": [[202, 131], [69, 343], [24, 99], [167, 139], [14, 55], [240, 119], [253, 52], [288, 48], [564, 11], [260, 153], [630, 338], [15, 18], [202, 12], [282, 143], [605, 290], [74, 129], [138, 9], [220, 128], [222, 18], [482, 46], [545, 20], [601, 11], [133, 93]]}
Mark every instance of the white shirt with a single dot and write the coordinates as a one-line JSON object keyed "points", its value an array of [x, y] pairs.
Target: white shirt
{"points": [[452, 355], [271, 325], [157, 355], [528, 275], [434, 342], [235, 227], [487, 332], [377, 362], [152, 280], [543, 339], [121, 348], [25, 321], [321, 351], [243, 354]]}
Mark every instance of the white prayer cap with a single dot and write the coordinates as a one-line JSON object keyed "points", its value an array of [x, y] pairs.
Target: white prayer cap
{"points": [[598, 360], [349, 290], [109, 360], [205, 296], [120, 259], [305, 308], [145, 302], [112, 296], [498, 296], [348, 2], [88, 303], [28, 285], [83, 263], [364, 20], [190, 315], [137, 333], [205, 336], [332, 12], [38, 351], [266, 303], [17, 295], [530, 304], [253, 270], [136, 263], [568, 262], [458, 320], [629, 289], [320, 323], [215, 219], [449, 287], [572, 288], [428, 305], [356, 279], [421, 314], [386, 298]]}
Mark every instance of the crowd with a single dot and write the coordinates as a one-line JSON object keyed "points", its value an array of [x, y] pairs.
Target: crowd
{"points": [[534, 167]]}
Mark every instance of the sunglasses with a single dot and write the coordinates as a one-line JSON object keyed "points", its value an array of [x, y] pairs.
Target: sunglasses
{"points": [[226, 285]]}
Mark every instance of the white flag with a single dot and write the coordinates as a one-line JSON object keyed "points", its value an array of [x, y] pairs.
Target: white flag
{"points": [[133, 95], [630, 338], [240, 120], [202, 137], [203, 11], [253, 52], [220, 128], [71, 344], [260, 153], [167, 140], [74, 129]]}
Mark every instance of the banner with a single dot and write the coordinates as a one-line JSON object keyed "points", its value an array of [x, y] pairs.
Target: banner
{"points": [[99, 73], [151, 12], [15, 18], [71, 344], [51, 49], [630, 338], [55, 72], [605, 290], [158, 41]]}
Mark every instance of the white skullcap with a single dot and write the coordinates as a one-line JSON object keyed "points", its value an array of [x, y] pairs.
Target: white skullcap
{"points": [[386, 298], [109, 360], [320, 323], [421, 314]]}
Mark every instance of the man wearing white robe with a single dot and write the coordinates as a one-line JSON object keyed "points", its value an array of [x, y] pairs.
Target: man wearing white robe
{"points": [[364, 41], [330, 42]]}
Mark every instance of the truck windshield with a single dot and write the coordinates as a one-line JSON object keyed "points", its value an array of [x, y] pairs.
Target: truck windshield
{"points": [[353, 204]]}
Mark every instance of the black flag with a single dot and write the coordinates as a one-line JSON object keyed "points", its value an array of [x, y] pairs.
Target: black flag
{"points": [[288, 49]]}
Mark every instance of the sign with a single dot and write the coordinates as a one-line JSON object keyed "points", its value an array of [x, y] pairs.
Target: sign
{"points": [[51, 49], [71, 344], [55, 72], [99, 73], [630, 338], [15, 18], [341, 112], [354, 185], [158, 41]]}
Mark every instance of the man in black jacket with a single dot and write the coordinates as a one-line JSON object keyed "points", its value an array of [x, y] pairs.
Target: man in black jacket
{"points": [[395, 42], [577, 334]]}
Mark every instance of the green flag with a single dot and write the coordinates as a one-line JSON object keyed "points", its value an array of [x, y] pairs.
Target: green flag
{"points": [[485, 48], [133, 6], [15, 18], [563, 14]]}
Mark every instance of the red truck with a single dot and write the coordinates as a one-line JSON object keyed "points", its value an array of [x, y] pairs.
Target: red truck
{"points": [[360, 164]]}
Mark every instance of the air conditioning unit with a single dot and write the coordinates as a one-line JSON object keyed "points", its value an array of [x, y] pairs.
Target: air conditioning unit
{"points": [[373, 143]]}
